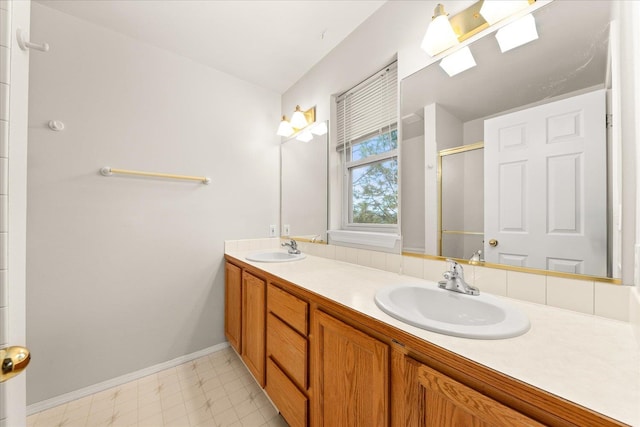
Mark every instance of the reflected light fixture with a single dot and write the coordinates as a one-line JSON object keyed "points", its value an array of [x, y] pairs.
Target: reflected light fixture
{"points": [[320, 129], [285, 128], [517, 33], [298, 120], [304, 136], [496, 10], [458, 61], [440, 35]]}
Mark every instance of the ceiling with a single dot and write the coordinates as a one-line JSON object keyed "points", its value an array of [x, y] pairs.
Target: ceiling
{"points": [[266, 42]]}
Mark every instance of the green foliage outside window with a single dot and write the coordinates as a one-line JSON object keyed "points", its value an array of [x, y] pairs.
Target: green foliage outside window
{"points": [[375, 185]]}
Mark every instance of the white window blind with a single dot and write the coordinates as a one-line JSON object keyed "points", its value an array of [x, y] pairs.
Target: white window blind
{"points": [[371, 106]]}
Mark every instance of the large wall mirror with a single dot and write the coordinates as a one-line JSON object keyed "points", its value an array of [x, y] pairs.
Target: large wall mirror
{"points": [[303, 192], [515, 157]]}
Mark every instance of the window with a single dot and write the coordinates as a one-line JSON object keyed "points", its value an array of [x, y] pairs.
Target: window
{"points": [[368, 142]]}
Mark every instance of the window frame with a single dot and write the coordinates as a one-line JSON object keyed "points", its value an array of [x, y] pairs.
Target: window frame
{"points": [[347, 187], [369, 108]]}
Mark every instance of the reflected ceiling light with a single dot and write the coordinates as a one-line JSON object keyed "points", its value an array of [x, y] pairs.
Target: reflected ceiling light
{"points": [[440, 35], [458, 61], [285, 128], [304, 136], [496, 10], [298, 120], [320, 129], [517, 33]]}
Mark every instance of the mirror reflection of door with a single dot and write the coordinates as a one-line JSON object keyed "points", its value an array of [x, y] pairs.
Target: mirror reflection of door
{"points": [[461, 208], [545, 186]]}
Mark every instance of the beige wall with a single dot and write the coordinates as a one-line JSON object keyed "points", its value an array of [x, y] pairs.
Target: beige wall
{"points": [[124, 273]]}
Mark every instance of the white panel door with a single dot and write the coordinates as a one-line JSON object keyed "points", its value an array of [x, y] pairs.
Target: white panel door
{"points": [[545, 186]]}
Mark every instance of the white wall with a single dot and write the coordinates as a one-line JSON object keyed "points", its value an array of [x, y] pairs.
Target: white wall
{"points": [[412, 176], [124, 273], [395, 30]]}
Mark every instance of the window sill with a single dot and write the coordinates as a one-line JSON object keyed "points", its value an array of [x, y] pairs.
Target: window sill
{"points": [[381, 240]]}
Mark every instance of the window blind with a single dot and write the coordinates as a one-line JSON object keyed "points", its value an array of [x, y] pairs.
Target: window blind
{"points": [[371, 106]]}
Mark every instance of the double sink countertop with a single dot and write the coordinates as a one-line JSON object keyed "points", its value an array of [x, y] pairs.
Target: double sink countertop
{"points": [[589, 360]]}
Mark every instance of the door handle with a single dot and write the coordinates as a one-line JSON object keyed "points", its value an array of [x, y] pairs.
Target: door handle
{"points": [[14, 360], [493, 243]]}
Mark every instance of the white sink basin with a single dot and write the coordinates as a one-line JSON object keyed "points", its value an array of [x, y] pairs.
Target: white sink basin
{"points": [[429, 307], [274, 256]]}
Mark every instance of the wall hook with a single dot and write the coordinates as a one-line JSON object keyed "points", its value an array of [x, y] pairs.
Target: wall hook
{"points": [[56, 125], [25, 44]]}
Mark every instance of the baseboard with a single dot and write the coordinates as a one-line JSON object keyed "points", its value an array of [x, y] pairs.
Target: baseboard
{"points": [[114, 382]]}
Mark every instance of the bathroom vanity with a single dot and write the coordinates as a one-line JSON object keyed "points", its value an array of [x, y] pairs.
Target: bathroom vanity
{"points": [[326, 355]]}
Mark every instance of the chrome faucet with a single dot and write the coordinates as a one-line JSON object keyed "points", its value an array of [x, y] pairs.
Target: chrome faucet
{"points": [[455, 280], [293, 247]]}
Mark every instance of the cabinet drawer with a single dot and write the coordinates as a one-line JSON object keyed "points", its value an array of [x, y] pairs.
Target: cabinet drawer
{"points": [[290, 309], [292, 404], [289, 349]]}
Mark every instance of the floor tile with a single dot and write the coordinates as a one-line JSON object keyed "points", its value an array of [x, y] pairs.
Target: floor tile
{"points": [[216, 390]]}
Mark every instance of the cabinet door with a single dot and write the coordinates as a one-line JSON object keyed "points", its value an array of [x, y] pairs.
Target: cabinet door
{"points": [[253, 324], [440, 401], [350, 382], [233, 305]]}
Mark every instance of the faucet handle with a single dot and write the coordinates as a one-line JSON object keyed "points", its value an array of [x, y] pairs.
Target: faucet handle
{"points": [[455, 268]]}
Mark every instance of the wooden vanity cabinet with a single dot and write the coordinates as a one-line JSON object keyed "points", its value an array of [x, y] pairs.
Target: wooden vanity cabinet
{"points": [[253, 325], [351, 375], [323, 364], [433, 399], [233, 305], [287, 381]]}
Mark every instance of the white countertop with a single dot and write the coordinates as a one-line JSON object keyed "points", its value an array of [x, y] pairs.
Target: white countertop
{"points": [[586, 359]]}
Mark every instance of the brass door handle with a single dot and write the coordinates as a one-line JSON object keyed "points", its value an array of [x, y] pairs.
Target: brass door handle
{"points": [[493, 243], [14, 360]]}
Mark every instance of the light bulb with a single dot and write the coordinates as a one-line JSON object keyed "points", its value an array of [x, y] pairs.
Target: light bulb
{"points": [[320, 129], [496, 10], [440, 35], [517, 33], [458, 61], [285, 128], [304, 136], [298, 120]]}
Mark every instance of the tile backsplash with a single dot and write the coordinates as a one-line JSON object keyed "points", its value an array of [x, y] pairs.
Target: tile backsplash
{"points": [[585, 296]]}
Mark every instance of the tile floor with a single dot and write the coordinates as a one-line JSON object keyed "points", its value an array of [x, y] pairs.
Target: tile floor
{"points": [[212, 391]]}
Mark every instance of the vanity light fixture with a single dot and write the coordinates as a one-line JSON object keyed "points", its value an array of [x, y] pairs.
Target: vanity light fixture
{"points": [[517, 33], [285, 129], [496, 10], [299, 120], [445, 32], [440, 35], [457, 62]]}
